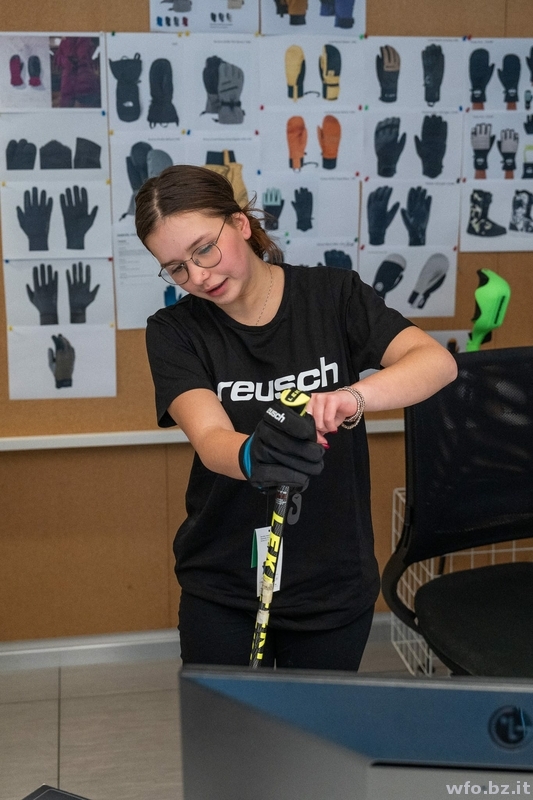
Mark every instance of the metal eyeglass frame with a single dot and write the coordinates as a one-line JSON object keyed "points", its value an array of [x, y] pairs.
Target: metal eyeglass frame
{"points": [[167, 277]]}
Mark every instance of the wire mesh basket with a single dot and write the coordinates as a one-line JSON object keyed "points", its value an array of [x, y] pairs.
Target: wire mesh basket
{"points": [[410, 646]]}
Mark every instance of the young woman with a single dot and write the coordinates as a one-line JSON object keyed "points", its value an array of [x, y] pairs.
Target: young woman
{"points": [[249, 327]]}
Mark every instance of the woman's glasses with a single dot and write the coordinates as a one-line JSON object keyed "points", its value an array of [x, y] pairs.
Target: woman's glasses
{"points": [[205, 256]]}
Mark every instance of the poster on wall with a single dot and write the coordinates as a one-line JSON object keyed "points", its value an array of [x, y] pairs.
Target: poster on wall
{"points": [[499, 75], [51, 71], [217, 16]]}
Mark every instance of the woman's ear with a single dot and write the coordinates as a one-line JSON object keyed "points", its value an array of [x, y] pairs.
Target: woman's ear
{"points": [[242, 223]]}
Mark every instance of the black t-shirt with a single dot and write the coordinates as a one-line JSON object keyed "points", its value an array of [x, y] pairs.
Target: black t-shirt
{"points": [[330, 326]]}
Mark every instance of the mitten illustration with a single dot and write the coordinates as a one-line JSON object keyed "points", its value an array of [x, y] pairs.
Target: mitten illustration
{"points": [[430, 279], [161, 110], [389, 274], [480, 71], [20, 154], [329, 65], [509, 76], [54, 155], [127, 72], [329, 137]]}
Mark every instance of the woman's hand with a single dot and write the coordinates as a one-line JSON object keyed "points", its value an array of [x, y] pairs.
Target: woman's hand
{"points": [[329, 410]]}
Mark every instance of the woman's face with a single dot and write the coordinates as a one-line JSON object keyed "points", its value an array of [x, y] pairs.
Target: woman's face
{"points": [[177, 237]]}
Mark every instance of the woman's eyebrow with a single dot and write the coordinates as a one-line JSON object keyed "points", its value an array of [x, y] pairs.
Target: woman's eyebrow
{"points": [[191, 247]]}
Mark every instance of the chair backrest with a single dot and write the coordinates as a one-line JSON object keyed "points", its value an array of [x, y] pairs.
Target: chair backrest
{"points": [[469, 458]]}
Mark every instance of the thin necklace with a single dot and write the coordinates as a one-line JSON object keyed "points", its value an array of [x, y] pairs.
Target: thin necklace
{"points": [[268, 295]]}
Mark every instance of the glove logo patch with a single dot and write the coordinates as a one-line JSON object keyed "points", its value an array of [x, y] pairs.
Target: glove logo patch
{"points": [[279, 415]]}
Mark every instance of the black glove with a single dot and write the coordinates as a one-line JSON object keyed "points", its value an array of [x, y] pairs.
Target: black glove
{"points": [[20, 155], [388, 71], [87, 155], [127, 71], [433, 66], [272, 206], [416, 215], [480, 74], [337, 258], [528, 124], [482, 139], [303, 205], [210, 78], [80, 295], [529, 62], [54, 155], [388, 146], [389, 274], [282, 451], [76, 216], [62, 361], [137, 169], [162, 110], [281, 8], [432, 146], [508, 145], [379, 217], [509, 76], [35, 219], [44, 294]]}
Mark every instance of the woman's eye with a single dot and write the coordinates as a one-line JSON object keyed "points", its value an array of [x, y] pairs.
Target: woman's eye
{"points": [[204, 250], [177, 269]]}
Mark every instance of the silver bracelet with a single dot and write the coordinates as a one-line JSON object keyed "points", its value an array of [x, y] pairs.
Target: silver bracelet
{"points": [[351, 422]]}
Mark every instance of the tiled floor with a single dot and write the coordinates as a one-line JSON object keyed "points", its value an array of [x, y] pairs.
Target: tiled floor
{"points": [[105, 732]]}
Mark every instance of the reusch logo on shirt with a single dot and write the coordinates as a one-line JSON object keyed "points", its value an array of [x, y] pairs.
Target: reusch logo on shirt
{"points": [[279, 415], [307, 381]]}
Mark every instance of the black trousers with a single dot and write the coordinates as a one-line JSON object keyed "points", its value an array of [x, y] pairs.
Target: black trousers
{"points": [[215, 634]]}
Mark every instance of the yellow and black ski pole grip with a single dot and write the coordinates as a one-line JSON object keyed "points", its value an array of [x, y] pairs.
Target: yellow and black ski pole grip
{"points": [[298, 401]]}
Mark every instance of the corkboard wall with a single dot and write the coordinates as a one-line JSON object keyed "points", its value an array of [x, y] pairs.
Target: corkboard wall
{"points": [[85, 534]]}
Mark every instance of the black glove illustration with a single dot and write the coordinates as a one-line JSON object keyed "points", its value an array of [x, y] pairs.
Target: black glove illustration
{"points": [[54, 155], [480, 74], [388, 71], [210, 78], [162, 110], [337, 258], [482, 139], [508, 145], [303, 205], [137, 168], [433, 66], [61, 361], [509, 76], [379, 216], [432, 146], [272, 206], [281, 7], [44, 294], [20, 154], [282, 450], [388, 146], [80, 295], [528, 124], [35, 219], [127, 71], [389, 274], [416, 215], [76, 216], [431, 278], [87, 154]]}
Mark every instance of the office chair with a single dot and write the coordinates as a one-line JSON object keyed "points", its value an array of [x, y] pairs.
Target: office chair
{"points": [[469, 483]]}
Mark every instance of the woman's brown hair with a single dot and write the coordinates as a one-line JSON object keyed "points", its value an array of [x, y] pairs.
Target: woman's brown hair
{"points": [[183, 188]]}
